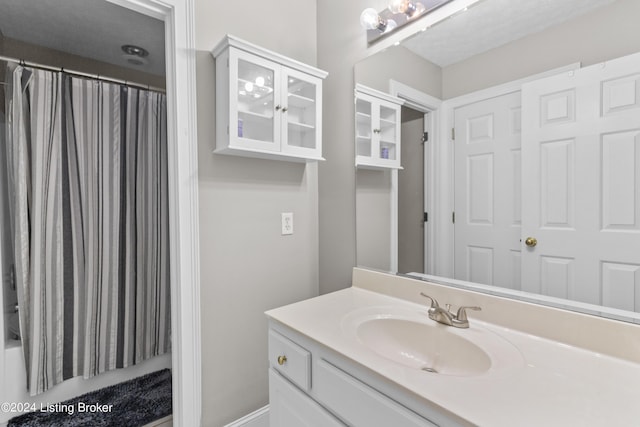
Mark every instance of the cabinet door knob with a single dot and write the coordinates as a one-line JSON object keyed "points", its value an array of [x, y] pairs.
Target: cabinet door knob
{"points": [[284, 109], [376, 131], [281, 360], [278, 108]]}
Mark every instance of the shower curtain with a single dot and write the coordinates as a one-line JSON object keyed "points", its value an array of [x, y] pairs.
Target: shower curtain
{"points": [[87, 162]]}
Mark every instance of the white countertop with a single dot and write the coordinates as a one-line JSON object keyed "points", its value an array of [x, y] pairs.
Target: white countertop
{"points": [[552, 384]]}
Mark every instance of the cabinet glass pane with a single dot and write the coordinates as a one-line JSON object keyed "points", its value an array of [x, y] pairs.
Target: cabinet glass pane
{"points": [[363, 128], [255, 102], [301, 113], [388, 132]]}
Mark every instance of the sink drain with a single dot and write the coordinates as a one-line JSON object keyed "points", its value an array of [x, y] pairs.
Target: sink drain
{"points": [[428, 369]]}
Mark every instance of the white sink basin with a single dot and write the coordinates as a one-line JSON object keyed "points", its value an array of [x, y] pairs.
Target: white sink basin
{"points": [[409, 338], [422, 346]]}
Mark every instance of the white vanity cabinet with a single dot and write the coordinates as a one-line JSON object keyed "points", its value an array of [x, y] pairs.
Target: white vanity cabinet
{"points": [[310, 385], [377, 125], [267, 105]]}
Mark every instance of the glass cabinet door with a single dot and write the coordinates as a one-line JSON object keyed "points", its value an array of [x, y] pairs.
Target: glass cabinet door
{"points": [[388, 131], [301, 113], [364, 127], [377, 132], [255, 120]]}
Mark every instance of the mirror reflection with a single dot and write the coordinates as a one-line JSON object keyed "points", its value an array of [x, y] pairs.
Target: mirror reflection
{"points": [[519, 156]]}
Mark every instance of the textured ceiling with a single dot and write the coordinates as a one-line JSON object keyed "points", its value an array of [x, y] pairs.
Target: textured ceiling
{"points": [[93, 29], [492, 23]]}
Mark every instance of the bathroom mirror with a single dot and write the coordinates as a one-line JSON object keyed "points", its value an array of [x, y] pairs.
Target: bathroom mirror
{"points": [[405, 219]]}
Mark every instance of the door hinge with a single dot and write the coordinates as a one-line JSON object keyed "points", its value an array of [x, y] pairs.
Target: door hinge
{"points": [[227, 62], [453, 134], [425, 137], [227, 129], [453, 217], [426, 217]]}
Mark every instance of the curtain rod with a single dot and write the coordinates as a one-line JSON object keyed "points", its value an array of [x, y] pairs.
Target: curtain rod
{"points": [[80, 74]]}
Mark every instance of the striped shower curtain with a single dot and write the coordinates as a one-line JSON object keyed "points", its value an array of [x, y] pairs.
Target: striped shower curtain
{"points": [[87, 162]]}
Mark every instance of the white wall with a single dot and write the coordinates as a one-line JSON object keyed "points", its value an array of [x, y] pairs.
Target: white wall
{"points": [[247, 267]]}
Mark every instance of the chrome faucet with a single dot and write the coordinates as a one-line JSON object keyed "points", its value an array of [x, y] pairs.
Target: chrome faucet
{"points": [[446, 317]]}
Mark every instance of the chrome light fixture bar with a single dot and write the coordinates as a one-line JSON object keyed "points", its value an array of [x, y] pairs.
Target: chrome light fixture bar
{"points": [[399, 13]]}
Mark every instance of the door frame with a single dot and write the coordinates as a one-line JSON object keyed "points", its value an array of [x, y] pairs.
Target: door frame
{"points": [[179, 20], [430, 106], [445, 171]]}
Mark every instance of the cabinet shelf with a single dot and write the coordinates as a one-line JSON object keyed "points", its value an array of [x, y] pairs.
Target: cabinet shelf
{"points": [[301, 125], [300, 101], [257, 115]]}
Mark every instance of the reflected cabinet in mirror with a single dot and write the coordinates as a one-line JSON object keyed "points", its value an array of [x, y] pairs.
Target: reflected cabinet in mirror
{"points": [[520, 155]]}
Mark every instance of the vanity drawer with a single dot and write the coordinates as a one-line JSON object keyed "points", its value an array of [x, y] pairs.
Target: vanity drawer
{"points": [[357, 403], [291, 360]]}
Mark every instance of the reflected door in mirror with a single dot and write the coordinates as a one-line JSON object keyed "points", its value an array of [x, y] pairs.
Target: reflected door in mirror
{"points": [[487, 191], [581, 178]]}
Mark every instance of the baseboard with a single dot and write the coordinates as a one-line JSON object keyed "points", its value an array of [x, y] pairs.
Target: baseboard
{"points": [[259, 418]]}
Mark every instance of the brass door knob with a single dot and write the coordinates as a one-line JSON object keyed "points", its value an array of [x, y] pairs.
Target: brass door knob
{"points": [[531, 241], [281, 360]]}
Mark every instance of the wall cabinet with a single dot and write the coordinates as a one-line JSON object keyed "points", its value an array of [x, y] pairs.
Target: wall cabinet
{"points": [[311, 385], [267, 105], [377, 138]]}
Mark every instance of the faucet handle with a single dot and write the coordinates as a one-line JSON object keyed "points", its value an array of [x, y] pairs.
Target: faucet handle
{"points": [[462, 312], [434, 302]]}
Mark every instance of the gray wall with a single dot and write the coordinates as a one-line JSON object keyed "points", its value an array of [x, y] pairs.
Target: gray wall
{"points": [[55, 58], [341, 44], [247, 267], [606, 33], [411, 194], [400, 64], [373, 218]]}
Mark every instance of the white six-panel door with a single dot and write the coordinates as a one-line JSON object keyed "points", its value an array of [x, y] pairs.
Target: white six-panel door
{"points": [[487, 191], [581, 184]]}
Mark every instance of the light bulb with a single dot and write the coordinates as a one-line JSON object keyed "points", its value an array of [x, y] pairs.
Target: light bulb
{"points": [[369, 19], [260, 81], [248, 86], [419, 9], [399, 6], [407, 7], [391, 24]]}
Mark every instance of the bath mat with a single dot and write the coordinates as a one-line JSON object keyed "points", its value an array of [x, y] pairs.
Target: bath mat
{"points": [[128, 404]]}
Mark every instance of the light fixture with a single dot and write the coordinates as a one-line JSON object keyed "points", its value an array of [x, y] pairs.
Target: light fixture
{"points": [[395, 15], [371, 20], [135, 55], [409, 8]]}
